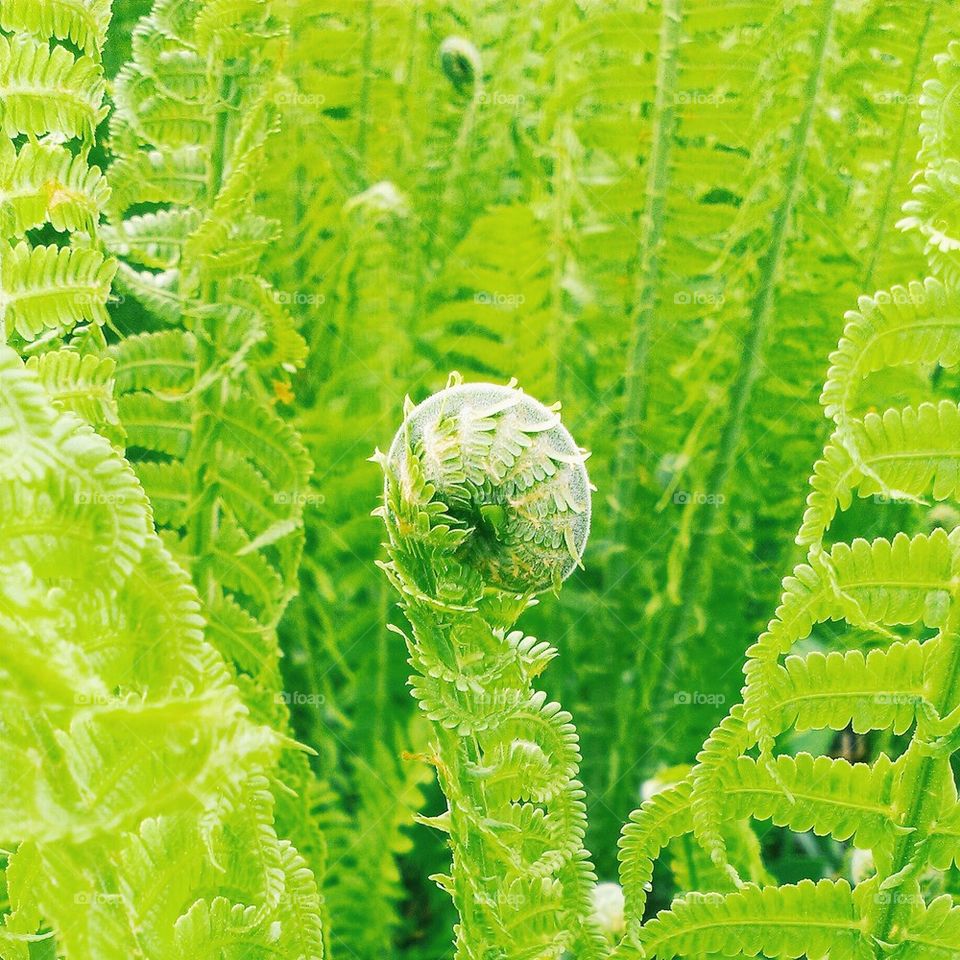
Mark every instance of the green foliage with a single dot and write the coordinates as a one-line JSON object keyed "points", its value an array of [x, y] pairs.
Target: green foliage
{"points": [[233, 233], [138, 778], [655, 212], [200, 392], [893, 808], [148, 808]]}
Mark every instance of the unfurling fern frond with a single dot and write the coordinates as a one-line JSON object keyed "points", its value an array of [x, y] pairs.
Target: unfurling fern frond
{"points": [[896, 592], [487, 503]]}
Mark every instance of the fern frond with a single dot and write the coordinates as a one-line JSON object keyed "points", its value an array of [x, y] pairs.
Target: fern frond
{"points": [[52, 288], [156, 424], [160, 362], [878, 690], [916, 324], [155, 240], [902, 811], [77, 507], [935, 933], [83, 22], [47, 184], [48, 90], [666, 815], [199, 393], [82, 384], [809, 919], [828, 796], [903, 453]]}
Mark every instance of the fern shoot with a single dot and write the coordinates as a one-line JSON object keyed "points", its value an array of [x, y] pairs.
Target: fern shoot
{"points": [[486, 504]]}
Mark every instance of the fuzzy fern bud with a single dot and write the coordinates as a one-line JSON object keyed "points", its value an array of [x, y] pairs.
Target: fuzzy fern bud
{"points": [[512, 478], [486, 503]]}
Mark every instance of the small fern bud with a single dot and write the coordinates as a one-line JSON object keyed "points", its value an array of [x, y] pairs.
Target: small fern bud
{"points": [[379, 203], [510, 476], [461, 62]]}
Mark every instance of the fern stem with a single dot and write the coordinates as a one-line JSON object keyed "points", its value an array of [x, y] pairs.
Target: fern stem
{"points": [[903, 127], [640, 324], [506, 758], [204, 497], [366, 77], [917, 798], [563, 187], [648, 265], [707, 519]]}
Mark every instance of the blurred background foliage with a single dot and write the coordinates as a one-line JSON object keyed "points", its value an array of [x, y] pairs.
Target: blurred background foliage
{"points": [[654, 212]]}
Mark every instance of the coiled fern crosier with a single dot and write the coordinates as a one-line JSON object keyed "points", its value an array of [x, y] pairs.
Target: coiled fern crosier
{"points": [[486, 504]]}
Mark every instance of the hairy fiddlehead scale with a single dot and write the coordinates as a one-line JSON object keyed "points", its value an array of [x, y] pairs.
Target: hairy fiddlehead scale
{"points": [[510, 475]]}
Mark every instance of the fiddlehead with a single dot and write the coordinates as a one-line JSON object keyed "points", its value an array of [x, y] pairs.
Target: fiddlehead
{"points": [[487, 503]]}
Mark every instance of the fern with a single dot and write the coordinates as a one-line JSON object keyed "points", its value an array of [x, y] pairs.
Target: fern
{"points": [[892, 808], [199, 390], [486, 503], [708, 456], [813, 920], [55, 99], [149, 826], [459, 186], [141, 735], [82, 384]]}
